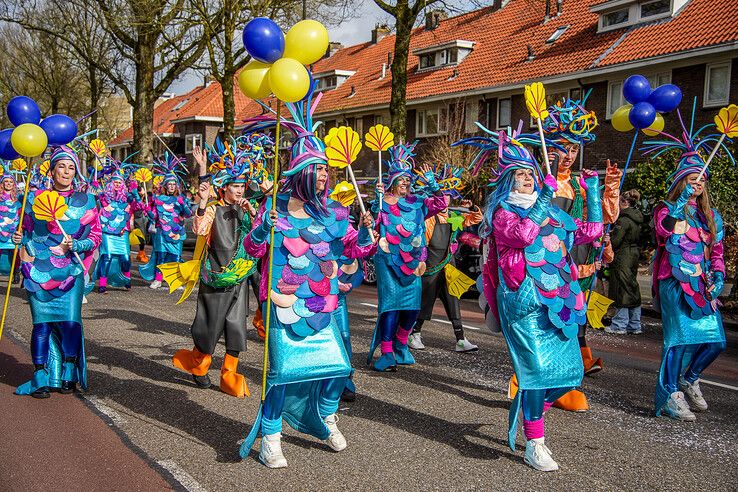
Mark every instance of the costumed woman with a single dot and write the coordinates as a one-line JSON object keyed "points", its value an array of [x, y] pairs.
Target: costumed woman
{"points": [[530, 282], [688, 278], [54, 279], [441, 236], [168, 210], [223, 296], [401, 255], [117, 203], [568, 128], [308, 364], [10, 205]]}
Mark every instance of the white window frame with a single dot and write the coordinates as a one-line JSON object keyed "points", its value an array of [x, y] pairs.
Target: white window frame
{"points": [[706, 103], [358, 125], [420, 130], [654, 16], [192, 140], [619, 25], [497, 116], [610, 83]]}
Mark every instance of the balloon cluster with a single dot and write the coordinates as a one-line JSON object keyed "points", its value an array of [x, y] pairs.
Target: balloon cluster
{"points": [[30, 136], [279, 60], [645, 106]]}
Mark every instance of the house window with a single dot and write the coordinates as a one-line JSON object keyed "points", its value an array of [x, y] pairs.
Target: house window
{"points": [[658, 79], [431, 121], [717, 84], [615, 18], [575, 94], [358, 125], [378, 119], [191, 141], [428, 60], [504, 112], [614, 97], [453, 55], [557, 34], [656, 7]]}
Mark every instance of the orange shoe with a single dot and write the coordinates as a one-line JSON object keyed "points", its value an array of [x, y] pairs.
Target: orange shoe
{"points": [[231, 382], [512, 387], [573, 401], [192, 361], [258, 323], [141, 257], [591, 365]]}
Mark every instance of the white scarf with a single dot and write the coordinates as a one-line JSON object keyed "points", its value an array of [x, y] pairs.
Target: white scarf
{"points": [[521, 199]]}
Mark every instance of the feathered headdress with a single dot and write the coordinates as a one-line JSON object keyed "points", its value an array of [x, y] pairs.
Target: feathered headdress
{"points": [[569, 122], [400, 163], [307, 148], [448, 178], [690, 144], [242, 161], [171, 168], [511, 152]]}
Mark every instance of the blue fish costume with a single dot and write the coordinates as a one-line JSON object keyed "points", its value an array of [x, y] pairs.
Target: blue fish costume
{"points": [[55, 283], [308, 363], [10, 206]]}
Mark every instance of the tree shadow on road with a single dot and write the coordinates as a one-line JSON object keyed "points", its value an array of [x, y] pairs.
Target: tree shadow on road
{"points": [[143, 322]]}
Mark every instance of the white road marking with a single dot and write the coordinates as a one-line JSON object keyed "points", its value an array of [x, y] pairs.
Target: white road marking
{"points": [[104, 409], [181, 476], [720, 385], [466, 327], [369, 304]]}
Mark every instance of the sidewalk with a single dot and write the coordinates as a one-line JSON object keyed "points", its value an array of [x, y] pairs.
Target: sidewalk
{"points": [[59, 443]]}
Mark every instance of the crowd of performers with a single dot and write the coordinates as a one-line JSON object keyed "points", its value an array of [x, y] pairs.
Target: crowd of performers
{"points": [[541, 237]]}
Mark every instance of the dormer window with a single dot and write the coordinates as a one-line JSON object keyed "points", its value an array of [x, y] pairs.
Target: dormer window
{"points": [[443, 55], [616, 18], [326, 81], [615, 14]]}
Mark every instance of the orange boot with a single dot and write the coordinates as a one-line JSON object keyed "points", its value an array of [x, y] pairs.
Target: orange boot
{"points": [[258, 323], [591, 365], [192, 361], [512, 387], [231, 382], [573, 401], [142, 258]]}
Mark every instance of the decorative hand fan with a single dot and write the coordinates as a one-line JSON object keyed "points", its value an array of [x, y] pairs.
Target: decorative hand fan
{"points": [[51, 206], [344, 193]]}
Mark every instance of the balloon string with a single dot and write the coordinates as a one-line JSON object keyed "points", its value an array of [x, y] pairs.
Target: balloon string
{"points": [[87, 116]]}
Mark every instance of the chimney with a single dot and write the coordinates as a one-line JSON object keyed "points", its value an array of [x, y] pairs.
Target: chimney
{"points": [[531, 55], [389, 59], [497, 5], [559, 7], [434, 17], [333, 46], [379, 32]]}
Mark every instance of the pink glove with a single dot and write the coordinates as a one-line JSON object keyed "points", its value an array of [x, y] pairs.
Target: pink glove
{"points": [[586, 174], [132, 185], [550, 181]]}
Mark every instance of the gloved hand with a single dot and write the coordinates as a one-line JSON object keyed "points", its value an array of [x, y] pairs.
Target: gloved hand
{"points": [[539, 211], [430, 178], [587, 179], [676, 209], [550, 181], [718, 283], [260, 233]]}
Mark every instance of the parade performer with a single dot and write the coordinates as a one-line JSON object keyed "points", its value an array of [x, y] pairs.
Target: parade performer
{"points": [[441, 232], [167, 211], [530, 282], [223, 296], [54, 279], [10, 205], [117, 203], [568, 128], [401, 255], [688, 277], [308, 364]]}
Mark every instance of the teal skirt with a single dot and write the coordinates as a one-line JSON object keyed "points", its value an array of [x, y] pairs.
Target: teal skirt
{"points": [[115, 245]]}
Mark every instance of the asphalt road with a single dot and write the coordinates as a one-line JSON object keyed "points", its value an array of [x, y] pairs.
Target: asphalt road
{"points": [[439, 425]]}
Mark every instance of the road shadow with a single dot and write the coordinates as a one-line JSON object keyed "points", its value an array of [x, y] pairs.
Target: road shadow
{"points": [[142, 322]]}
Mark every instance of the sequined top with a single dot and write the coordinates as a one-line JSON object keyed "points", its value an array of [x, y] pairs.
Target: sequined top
{"points": [[10, 205], [168, 213], [115, 215]]}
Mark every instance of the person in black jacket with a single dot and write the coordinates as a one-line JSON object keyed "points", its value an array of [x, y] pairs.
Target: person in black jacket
{"points": [[624, 288]]}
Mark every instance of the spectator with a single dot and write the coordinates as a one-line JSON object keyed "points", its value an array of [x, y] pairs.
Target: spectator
{"points": [[624, 288]]}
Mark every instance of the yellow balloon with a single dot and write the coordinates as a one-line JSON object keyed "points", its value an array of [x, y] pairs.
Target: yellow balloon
{"points": [[289, 80], [29, 140], [656, 127], [306, 42], [620, 119], [254, 80]]}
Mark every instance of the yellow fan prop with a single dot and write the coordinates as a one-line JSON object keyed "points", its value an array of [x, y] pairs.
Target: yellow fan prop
{"points": [[535, 100], [98, 147], [456, 281], [143, 175], [596, 309], [19, 165], [136, 237], [187, 273], [44, 168], [344, 193], [331, 133], [379, 138], [342, 147], [49, 206], [727, 121]]}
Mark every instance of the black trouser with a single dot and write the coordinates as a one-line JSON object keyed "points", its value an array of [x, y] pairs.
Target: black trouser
{"points": [[434, 286]]}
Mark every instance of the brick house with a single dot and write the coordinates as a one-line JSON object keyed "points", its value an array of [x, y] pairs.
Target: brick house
{"points": [[473, 67]]}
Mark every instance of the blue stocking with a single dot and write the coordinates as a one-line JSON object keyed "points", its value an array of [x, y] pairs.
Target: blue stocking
{"points": [[271, 422], [703, 357], [673, 368]]}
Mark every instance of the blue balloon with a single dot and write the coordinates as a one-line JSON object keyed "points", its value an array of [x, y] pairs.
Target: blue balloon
{"points": [[23, 109], [642, 115], [263, 39], [665, 98], [7, 151], [60, 129], [636, 89]]}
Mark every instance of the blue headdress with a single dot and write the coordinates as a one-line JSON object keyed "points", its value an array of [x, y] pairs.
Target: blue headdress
{"points": [[400, 163], [569, 122], [448, 178], [242, 161], [7, 172], [690, 144], [171, 168]]}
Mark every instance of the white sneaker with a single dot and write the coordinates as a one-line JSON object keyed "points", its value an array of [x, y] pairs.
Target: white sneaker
{"points": [[336, 440], [693, 394], [271, 451], [677, 408], [615, 331], [155, 284], [415, 342], [465, 346], [538, 456]]}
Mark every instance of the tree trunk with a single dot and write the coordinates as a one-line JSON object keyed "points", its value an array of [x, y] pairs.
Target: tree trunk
{"points": [[398, 104], [94, 82], [143, 109], [229, 104]]}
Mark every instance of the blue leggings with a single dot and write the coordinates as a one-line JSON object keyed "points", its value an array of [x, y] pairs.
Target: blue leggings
{"points": [[70, 333], [703, 356], [274, 404], [390, 321], [533, 401], [123, 261], [164, 257]]}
